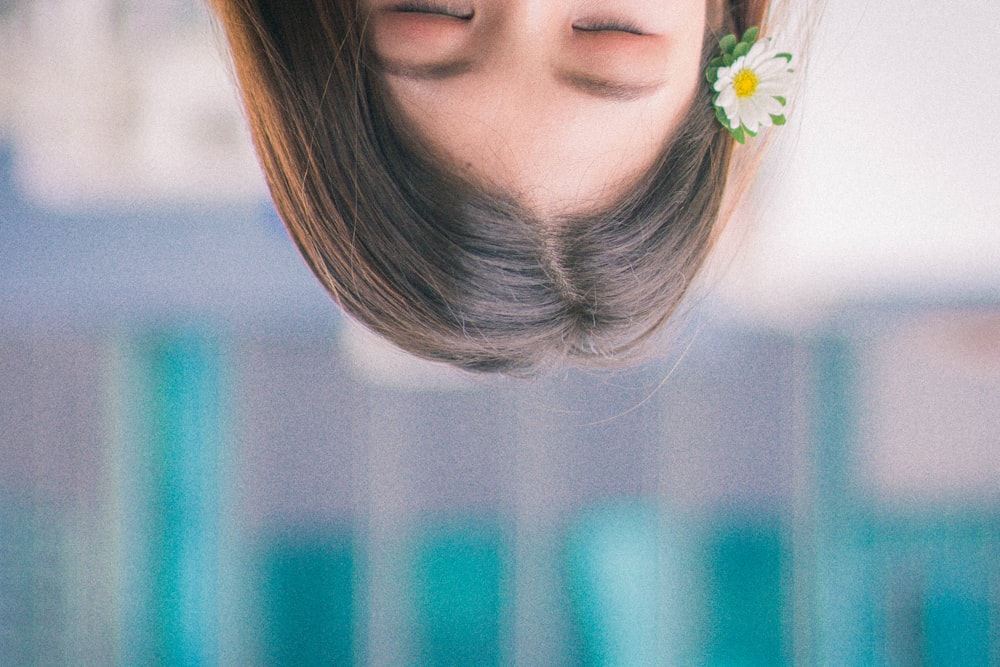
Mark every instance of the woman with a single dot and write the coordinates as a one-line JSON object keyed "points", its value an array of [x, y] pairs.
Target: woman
{"points": [[493, 183]]}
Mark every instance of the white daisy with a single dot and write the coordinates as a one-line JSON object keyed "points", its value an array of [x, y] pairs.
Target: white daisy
{"points": [[752, 90]]}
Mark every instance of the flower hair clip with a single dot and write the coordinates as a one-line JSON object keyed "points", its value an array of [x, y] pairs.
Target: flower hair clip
{"points": [[751, 81]]}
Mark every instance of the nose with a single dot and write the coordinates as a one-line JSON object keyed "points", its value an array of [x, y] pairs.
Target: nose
{"points": [[533, 19], [528, 33]]}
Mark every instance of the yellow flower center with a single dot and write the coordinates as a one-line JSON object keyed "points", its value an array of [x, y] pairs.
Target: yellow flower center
{"points": [[745, 83]]}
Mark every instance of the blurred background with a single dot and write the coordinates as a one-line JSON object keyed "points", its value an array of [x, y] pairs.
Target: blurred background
{"points": [[201, 462]]}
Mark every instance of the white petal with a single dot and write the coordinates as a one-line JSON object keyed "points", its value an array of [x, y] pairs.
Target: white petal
{"points": [[756, 51], [724, 78], [771, 89], [753, 115], [727, 95], [733, 112], [769, 105], [771, 67], [782, 81], [726, 72], [786, 79]]}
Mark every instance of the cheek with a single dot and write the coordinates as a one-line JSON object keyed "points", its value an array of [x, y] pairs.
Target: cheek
{"points": [[415, 37]]}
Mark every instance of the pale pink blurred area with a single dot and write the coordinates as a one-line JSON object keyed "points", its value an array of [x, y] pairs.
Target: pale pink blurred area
{"points": [[933, 435]]}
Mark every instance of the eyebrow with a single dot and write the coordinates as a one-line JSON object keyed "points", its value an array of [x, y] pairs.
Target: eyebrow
{"points": [[430, 72], [606, 88], [594, 86]]}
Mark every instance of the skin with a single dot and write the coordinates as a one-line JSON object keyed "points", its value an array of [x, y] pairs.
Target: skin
{"points": [[561, 103]]}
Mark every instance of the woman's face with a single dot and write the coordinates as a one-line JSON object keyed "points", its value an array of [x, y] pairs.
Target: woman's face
{"points": [[562, 103]]}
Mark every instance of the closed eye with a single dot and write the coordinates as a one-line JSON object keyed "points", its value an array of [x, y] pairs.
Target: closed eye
{"points": [[426, 7], [609, 26]]}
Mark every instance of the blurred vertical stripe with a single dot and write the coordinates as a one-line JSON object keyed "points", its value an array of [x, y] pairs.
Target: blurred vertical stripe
{"points": [[57, 556], [173, 418], [842, 597], [308, 597], [628, 577], [747, 593], [460, 592]]}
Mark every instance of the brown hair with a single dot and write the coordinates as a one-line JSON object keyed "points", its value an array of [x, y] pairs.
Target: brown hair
{"points": [[434, 263]]}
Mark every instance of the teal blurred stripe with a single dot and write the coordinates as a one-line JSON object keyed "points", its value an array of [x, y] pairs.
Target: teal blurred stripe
{"points": [[175, 429], [960, 617], [843, 602], [957, 626], [628, 577], [835, 415], [747, 596], [308, 597], [30, 588], [459, 582]]}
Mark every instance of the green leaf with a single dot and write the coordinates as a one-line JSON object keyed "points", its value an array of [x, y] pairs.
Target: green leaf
{"points": [[715, 62], [786, 56], [749, 133], [781, 99], [741, 49], [750, 36], [778, 120], [728, 59], [727, 43], [712, 73], [739, 135]]}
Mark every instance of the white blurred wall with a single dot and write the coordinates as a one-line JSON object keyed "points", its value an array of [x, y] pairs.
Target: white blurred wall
{"points": [[114, 101], [887, 183]]}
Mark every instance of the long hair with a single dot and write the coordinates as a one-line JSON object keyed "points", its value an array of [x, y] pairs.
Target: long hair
{"points": [[432, 262]]}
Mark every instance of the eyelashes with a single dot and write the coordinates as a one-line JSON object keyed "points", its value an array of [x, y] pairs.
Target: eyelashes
{"points": [[450, 11], [610, 25], [430, 7]]}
